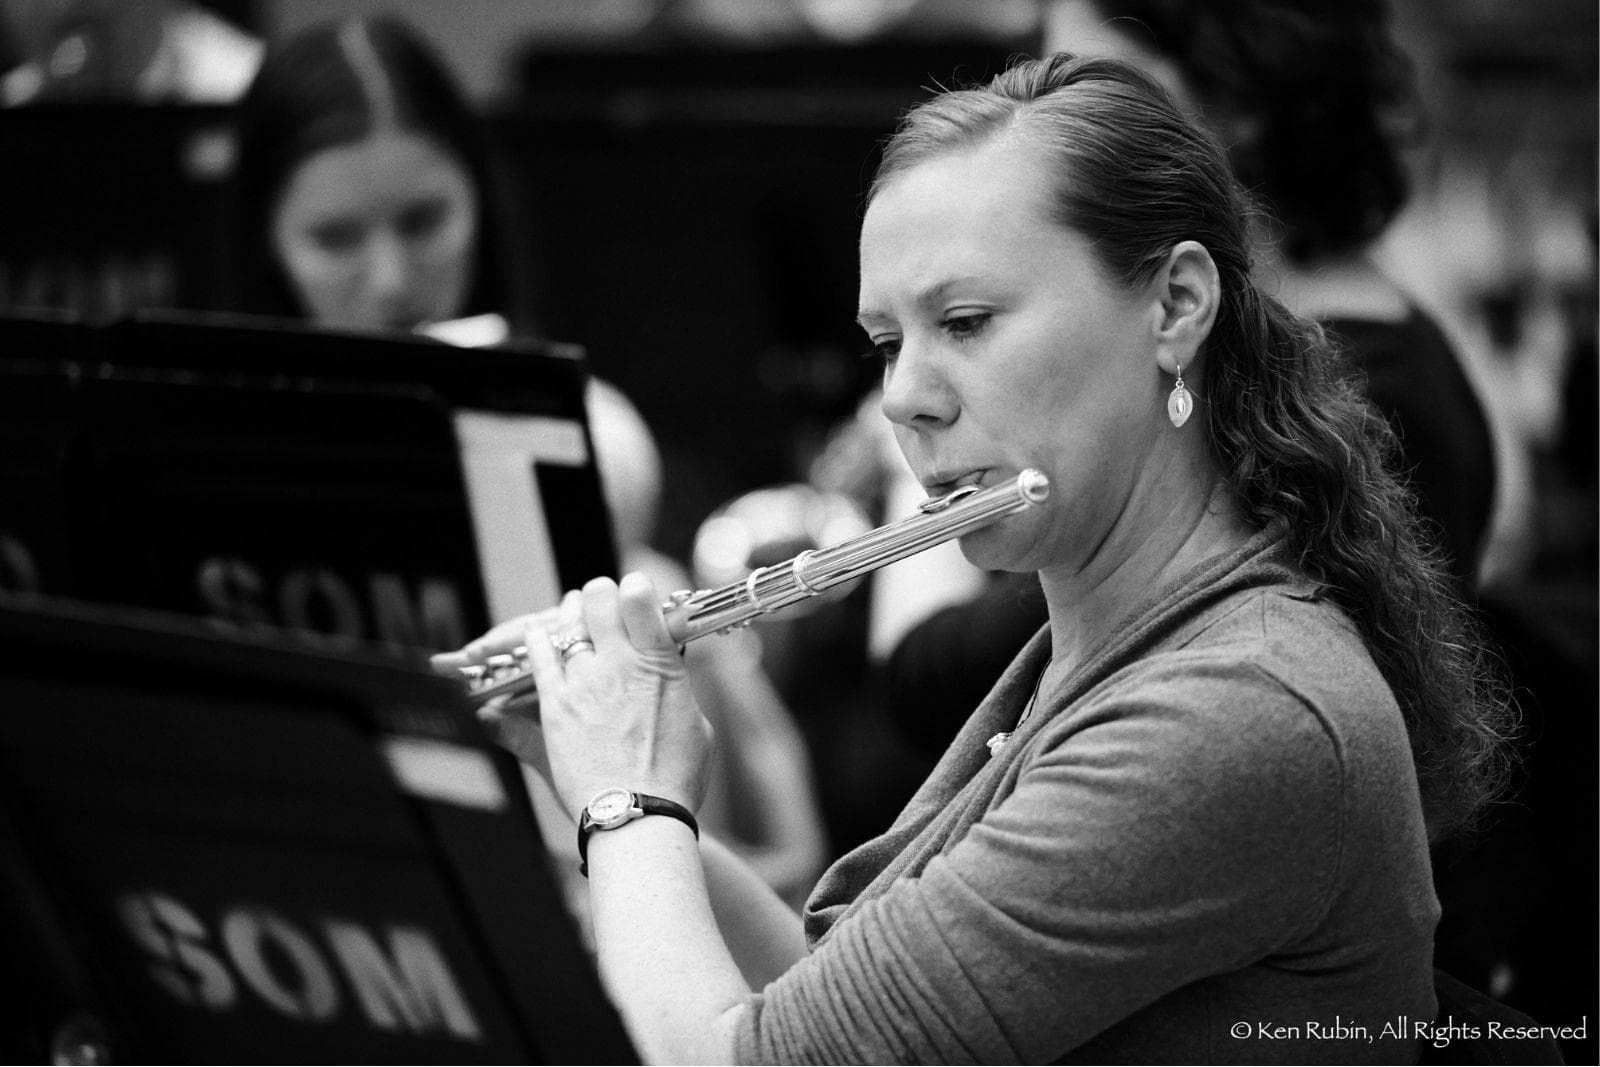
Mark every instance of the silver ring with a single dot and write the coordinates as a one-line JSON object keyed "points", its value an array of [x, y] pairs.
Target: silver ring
{"points": [[567, 647]]}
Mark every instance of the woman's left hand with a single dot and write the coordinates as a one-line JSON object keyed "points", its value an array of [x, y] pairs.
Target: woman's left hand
{"points": [[619, 714]]}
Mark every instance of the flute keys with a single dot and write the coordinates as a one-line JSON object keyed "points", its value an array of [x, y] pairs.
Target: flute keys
{"points": [[497, 668]]}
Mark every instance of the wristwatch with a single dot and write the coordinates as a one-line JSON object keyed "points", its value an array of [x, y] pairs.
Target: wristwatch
{"points": [[611, 808]]}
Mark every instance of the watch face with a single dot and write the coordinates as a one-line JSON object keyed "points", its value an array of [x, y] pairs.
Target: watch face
{"points": [[610, 804]]}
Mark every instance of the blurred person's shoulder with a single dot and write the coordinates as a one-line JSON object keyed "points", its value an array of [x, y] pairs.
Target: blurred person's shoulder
{"points": [[203, 59]]}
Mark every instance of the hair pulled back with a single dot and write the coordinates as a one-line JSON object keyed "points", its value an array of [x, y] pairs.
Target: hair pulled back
{"points": [[1295, 441]]}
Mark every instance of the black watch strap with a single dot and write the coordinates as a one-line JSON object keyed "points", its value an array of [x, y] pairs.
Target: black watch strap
{"points": [[647, 805]]}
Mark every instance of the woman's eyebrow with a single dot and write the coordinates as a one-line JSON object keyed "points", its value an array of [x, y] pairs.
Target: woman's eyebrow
{"points": [[929, 294]]}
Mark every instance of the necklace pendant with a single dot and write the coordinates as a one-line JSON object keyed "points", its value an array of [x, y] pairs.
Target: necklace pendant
{"points": [[996, 741]]}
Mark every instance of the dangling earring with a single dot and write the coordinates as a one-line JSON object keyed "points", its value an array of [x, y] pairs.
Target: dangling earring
{"points": [[1179, 403]]}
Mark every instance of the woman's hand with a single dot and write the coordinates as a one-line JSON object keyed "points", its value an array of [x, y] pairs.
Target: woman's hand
{"points": [[619, 714], [501, 640], [513, 721]]}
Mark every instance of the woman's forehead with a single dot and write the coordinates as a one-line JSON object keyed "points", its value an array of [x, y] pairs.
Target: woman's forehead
{"points": [[995, 193], [376, 168]]}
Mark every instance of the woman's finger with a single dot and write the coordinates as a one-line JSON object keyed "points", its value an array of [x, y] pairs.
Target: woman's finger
{"points": [[499, 639], [641, 615], [601, 618], [450, 663], [572, 613], [547, 673], [494, 708], [502, 638], [513, 724], [569, 615]]}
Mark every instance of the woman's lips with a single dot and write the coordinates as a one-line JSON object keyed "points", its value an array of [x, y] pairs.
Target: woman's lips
{"points": [[940, 485]]}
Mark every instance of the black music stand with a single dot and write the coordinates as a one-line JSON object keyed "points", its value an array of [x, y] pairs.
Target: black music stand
{"points": [[227, 850], [357, 488], [112, 206]]}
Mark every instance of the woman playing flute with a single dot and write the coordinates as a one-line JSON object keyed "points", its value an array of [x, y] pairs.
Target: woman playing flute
{"points": [[1201, 799]]}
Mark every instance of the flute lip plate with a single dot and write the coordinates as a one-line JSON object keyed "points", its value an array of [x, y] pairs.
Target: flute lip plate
{"points": [[939, 503]]}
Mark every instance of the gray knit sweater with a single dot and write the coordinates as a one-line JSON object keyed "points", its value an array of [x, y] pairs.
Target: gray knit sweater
{"points": [[1204, 846]]}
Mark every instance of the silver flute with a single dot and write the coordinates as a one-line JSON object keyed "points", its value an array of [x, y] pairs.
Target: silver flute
{"points": [[692, 614]]}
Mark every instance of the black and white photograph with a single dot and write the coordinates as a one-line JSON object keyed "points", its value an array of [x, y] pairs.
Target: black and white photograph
{"points": [[799, 531]]}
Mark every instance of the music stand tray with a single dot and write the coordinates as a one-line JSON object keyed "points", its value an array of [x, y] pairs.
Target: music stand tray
{"points": [[227, 849]]}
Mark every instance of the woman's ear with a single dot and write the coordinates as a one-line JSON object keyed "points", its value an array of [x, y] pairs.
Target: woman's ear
{"points": [[1188, 290]]}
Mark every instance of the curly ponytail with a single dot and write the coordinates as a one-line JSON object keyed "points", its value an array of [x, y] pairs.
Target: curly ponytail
{"points": [[1303, 449]]}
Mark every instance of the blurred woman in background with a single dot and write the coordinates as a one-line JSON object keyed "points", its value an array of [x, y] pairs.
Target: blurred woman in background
{"points": [[367, 195]]}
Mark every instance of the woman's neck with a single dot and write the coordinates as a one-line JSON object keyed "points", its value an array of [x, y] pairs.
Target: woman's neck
{"points": [[1085, 603]]}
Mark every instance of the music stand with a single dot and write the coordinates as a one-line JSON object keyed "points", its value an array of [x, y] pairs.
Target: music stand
{"points": [[364, 488], [115, 205], [218, 849]]}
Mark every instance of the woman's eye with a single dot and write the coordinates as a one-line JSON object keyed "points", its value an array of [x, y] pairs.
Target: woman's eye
{"points": [[965, 326], [884, 350], [336, 236], [420, 220]]}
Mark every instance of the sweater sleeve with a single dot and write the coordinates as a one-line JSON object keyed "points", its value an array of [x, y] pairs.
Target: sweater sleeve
{"points": [[1183, 825]]}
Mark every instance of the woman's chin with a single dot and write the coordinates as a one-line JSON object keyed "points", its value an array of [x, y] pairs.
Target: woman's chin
{"points": [[990, 550]]}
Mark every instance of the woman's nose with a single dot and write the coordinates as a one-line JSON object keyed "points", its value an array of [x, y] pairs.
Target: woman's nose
{"points": [[388, 265], [916, 393]]}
